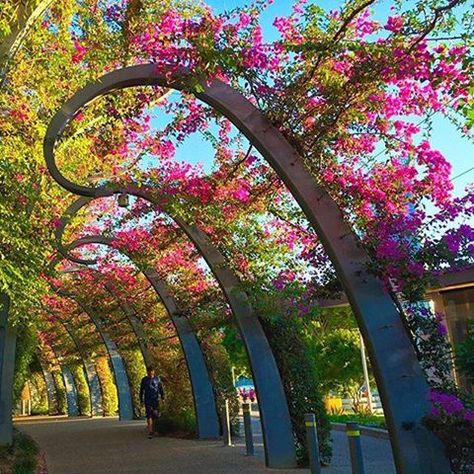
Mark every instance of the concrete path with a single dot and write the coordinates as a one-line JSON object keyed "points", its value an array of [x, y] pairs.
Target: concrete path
{"points": [[109, 446]]}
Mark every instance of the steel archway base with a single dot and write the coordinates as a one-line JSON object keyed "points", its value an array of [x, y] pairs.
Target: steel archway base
{"points": [[400, 380], [7, 368]]}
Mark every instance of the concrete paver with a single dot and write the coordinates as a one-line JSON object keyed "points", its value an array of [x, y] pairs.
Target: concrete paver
{"points": [[109, 446]]}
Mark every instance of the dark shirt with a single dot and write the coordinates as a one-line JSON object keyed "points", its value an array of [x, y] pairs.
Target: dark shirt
{"points": [[151, 389]]}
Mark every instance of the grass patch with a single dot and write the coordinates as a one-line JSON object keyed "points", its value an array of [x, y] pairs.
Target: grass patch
{"points": [[374, 421], [21, 457]]}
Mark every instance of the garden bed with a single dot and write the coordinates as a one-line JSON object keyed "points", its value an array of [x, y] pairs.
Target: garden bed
{"points": [[372, 421], [22, 457]]}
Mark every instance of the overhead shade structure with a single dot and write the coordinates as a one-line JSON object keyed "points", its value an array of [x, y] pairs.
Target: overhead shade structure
{"points": [[400, 379], [204, 399]]}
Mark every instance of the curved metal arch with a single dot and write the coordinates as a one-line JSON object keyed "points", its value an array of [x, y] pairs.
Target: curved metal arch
{"points": [[51, 391], [7, 370], [275, 418], [51, 386], [122, 382], [204, 400], [89, 370], [400, 380], [134, 322], [95, 392], [71, 389], [69, 383]]}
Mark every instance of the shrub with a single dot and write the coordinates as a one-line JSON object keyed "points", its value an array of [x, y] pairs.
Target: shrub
{"points": [[453, 423], [21, 457], [220, 367], [39, 395], [135, 367], [107, 385], [82, 389], [60, 393], [300, 384]]}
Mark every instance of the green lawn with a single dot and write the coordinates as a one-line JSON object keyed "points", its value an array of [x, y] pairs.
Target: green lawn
{"points": [[375, 421]]}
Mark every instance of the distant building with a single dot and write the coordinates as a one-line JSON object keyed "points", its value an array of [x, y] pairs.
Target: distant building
{"points": [[454, 298]]}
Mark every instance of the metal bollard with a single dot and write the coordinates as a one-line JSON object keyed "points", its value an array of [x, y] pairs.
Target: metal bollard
{"points": [[313, 444], [355, 448], [248, 429], [226, 435]]}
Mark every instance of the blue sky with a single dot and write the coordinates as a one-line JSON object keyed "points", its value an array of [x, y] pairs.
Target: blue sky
{"points": [[458, 150]]}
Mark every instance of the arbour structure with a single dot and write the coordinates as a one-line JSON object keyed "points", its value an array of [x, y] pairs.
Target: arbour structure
{"points": [[117, 364], [275, 417], [400, 380], [203, 392]]}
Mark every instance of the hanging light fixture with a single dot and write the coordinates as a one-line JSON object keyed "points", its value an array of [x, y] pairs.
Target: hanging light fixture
{"points": [[123, 200]]}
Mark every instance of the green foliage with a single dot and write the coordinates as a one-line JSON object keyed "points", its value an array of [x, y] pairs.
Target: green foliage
{"points": [[220, 366], [333, 341], [39, 395], [376, 421], [26, 346], [82, 388], [60, 393], [135, 368], [21, 457], [465, 353], [299, 381], [177, 412], [107, 385], [236, 351]]}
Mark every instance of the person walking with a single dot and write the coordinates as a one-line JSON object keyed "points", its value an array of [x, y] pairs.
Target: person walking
{"points": [[151, 390]]}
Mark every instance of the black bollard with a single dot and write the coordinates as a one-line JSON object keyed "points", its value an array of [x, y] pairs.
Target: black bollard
{"points": [[248, 429], [355, 448], [313, 444], [226, 435]]}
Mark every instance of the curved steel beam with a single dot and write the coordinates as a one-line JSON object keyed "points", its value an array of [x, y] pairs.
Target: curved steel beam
{"points": [[69, 386], [400, 379], [51, 387], [130, 315], [118, 367], [7, 369], [135, 323], [68, 381], [50, 390], [274, 414], [95, 392], [204, 400]]}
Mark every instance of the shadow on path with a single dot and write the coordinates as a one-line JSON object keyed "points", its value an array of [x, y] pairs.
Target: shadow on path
{"points": [[106, 445]]}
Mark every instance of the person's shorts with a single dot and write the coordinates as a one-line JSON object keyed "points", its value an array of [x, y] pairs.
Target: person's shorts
{"points": [[152, 411]]}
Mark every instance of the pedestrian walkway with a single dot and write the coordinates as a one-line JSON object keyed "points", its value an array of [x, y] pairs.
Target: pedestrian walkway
{"points": [[109, 446]]}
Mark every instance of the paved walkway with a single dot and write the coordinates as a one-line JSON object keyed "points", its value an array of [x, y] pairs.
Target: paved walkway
{"points": [[109, 446]]}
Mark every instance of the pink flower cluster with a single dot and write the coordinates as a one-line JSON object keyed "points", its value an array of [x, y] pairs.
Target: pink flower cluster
{"points": [[247, 394], [447, 406]]}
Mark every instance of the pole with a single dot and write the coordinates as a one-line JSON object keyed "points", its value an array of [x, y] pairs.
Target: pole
{"points": [[250, 451], [226, 425], [370, 405], [355, 448], [312, 442]]}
